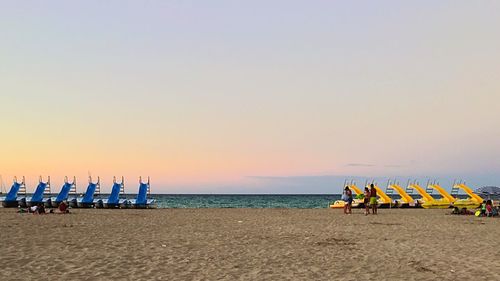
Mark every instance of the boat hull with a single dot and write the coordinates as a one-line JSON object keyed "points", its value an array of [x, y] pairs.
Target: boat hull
{"points": [[73, 203], [99, 204], [386, 205], [10, 204], [339, 204], [85, 205], [465, 203], [36, 203], [125, 204], [111, 205], [436, 205], [22, 203]]}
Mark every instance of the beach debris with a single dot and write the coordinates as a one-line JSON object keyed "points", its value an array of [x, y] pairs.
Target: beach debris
{"points": [[240, 221], [163, 246]]}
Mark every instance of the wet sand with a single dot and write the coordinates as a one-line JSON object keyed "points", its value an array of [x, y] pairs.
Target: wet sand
{"points": [[248, 244]]}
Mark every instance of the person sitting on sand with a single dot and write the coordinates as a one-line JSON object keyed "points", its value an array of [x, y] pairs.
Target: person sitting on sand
{"points": [[41, 209], [63, 208], [33, 209], [464, 211], [373, 199], [456, 211], [366, 201]]}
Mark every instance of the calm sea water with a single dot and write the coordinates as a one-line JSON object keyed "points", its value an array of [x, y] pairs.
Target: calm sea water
{"points": [[243, 201], [299, 201]]}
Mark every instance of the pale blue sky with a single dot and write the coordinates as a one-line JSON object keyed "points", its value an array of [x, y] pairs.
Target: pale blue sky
{"points": [[202, 95]]}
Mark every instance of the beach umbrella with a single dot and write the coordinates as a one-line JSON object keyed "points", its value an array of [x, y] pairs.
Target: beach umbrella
{"points": [[490, 191]]}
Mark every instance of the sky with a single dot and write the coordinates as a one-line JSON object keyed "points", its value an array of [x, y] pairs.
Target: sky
{"points": [[250, 96]]}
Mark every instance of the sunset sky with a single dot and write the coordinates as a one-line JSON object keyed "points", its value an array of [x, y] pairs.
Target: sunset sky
{"points": [[250, 96]]}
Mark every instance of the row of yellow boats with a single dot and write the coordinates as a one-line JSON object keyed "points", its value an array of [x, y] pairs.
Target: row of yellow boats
{"points": [[425, 200]]}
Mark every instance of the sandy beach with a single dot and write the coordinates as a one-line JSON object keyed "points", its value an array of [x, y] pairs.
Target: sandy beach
{"points": [[248, 244]]}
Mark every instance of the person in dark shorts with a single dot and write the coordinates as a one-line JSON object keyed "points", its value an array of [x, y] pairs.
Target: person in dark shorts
{"points": [[366, 201], [347, 197]]}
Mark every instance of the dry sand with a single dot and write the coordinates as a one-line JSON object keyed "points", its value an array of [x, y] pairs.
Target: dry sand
{"points": [[248, 244]]}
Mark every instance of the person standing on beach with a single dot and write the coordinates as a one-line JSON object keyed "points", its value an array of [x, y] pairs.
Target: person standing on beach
{"points": [[349, 200], [373, 199], [366, 201], [347, 197]]}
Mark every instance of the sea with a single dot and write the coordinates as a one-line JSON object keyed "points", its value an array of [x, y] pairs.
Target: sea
{"points": [[297, 201], [294, 201]]}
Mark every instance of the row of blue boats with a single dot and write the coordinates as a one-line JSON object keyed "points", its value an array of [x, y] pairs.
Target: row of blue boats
{"points": [[17, 197]]}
